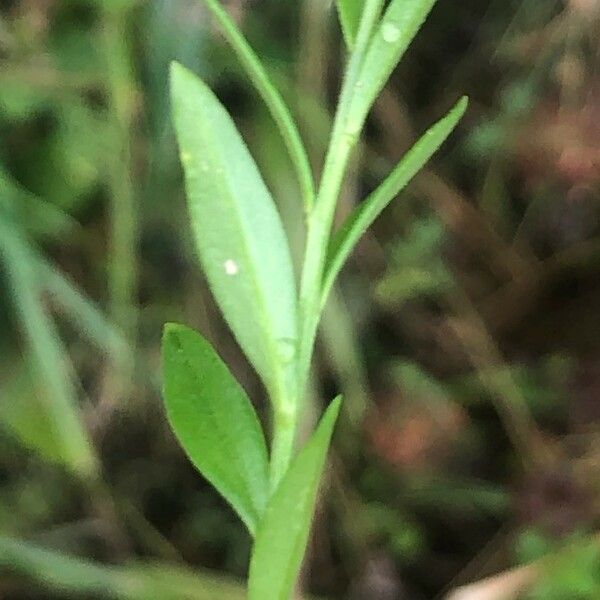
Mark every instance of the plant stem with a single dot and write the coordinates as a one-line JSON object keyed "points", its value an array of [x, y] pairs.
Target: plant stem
{"points": [[285, 423], [320, 220], [123, 207]]}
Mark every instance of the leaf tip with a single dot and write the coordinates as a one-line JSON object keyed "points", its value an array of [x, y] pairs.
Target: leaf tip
{"points": [[172, 333], [462, 105], [181, 78], [171, 329], [176, 69], [333, 410]]}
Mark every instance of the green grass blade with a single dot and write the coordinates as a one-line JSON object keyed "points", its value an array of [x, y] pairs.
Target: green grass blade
{"points": [[82, 312], [34, 215], [24, 414], [350, 12], [399, 25], [65, 574], [283, 532], [238, 232], [50, 358], [346, 238], [215, 422], [272, 98]]}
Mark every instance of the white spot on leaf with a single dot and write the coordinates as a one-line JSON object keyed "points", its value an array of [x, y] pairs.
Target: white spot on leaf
{"points": [[390, 32], [231, 267]]}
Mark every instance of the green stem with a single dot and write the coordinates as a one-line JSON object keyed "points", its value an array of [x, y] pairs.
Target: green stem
{"points": [[320, 218], [285, 423], [123, 206], [320, 221]]}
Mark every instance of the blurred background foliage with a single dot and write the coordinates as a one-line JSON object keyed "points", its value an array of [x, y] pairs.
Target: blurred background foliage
{"points": [[465, 334]]}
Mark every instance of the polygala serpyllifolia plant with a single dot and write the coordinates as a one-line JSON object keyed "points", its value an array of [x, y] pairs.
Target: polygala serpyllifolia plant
{"points": [[247, 262]]}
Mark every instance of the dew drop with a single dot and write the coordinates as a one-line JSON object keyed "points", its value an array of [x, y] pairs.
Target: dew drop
{"points": [[390, 33], [231, 267], [204, 166], [185, 157]]}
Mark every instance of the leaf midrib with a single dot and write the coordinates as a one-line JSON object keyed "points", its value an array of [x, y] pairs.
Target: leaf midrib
{"points": [[247, 248], [224, 433]]}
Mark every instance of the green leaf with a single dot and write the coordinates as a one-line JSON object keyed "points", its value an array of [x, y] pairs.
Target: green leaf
{"points": [[70, 161], [350, 12], [215, 422], [34, 215], [283, 531], [399, 25], [70, 576], [238, 232], [89, 320], [24, 414], [346, 238], [58, 398], [271, 97]]}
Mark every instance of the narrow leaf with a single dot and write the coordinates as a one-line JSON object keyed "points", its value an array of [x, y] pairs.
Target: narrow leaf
{"points": [[34, 215], [283, 532], [271, 97], [399, 25], [346, 238], [215, 422], [238, 232], [70, 576], [350, 12], [82, 312], [50, 362], [24, 414]]}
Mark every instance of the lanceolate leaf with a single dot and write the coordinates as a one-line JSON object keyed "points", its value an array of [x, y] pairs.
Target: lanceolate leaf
{"points": [[238, 232], [215, 422], [364, 214], [70, 576], [81, 311], [66, 439], [283, 532], [350, 12], [399, 25]]}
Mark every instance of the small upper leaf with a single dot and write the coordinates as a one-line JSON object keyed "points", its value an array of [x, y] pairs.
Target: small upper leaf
{"points": [[215, 422], [238, 232], [399, 25], [365, 213], [350, 12], [283, 531]]}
